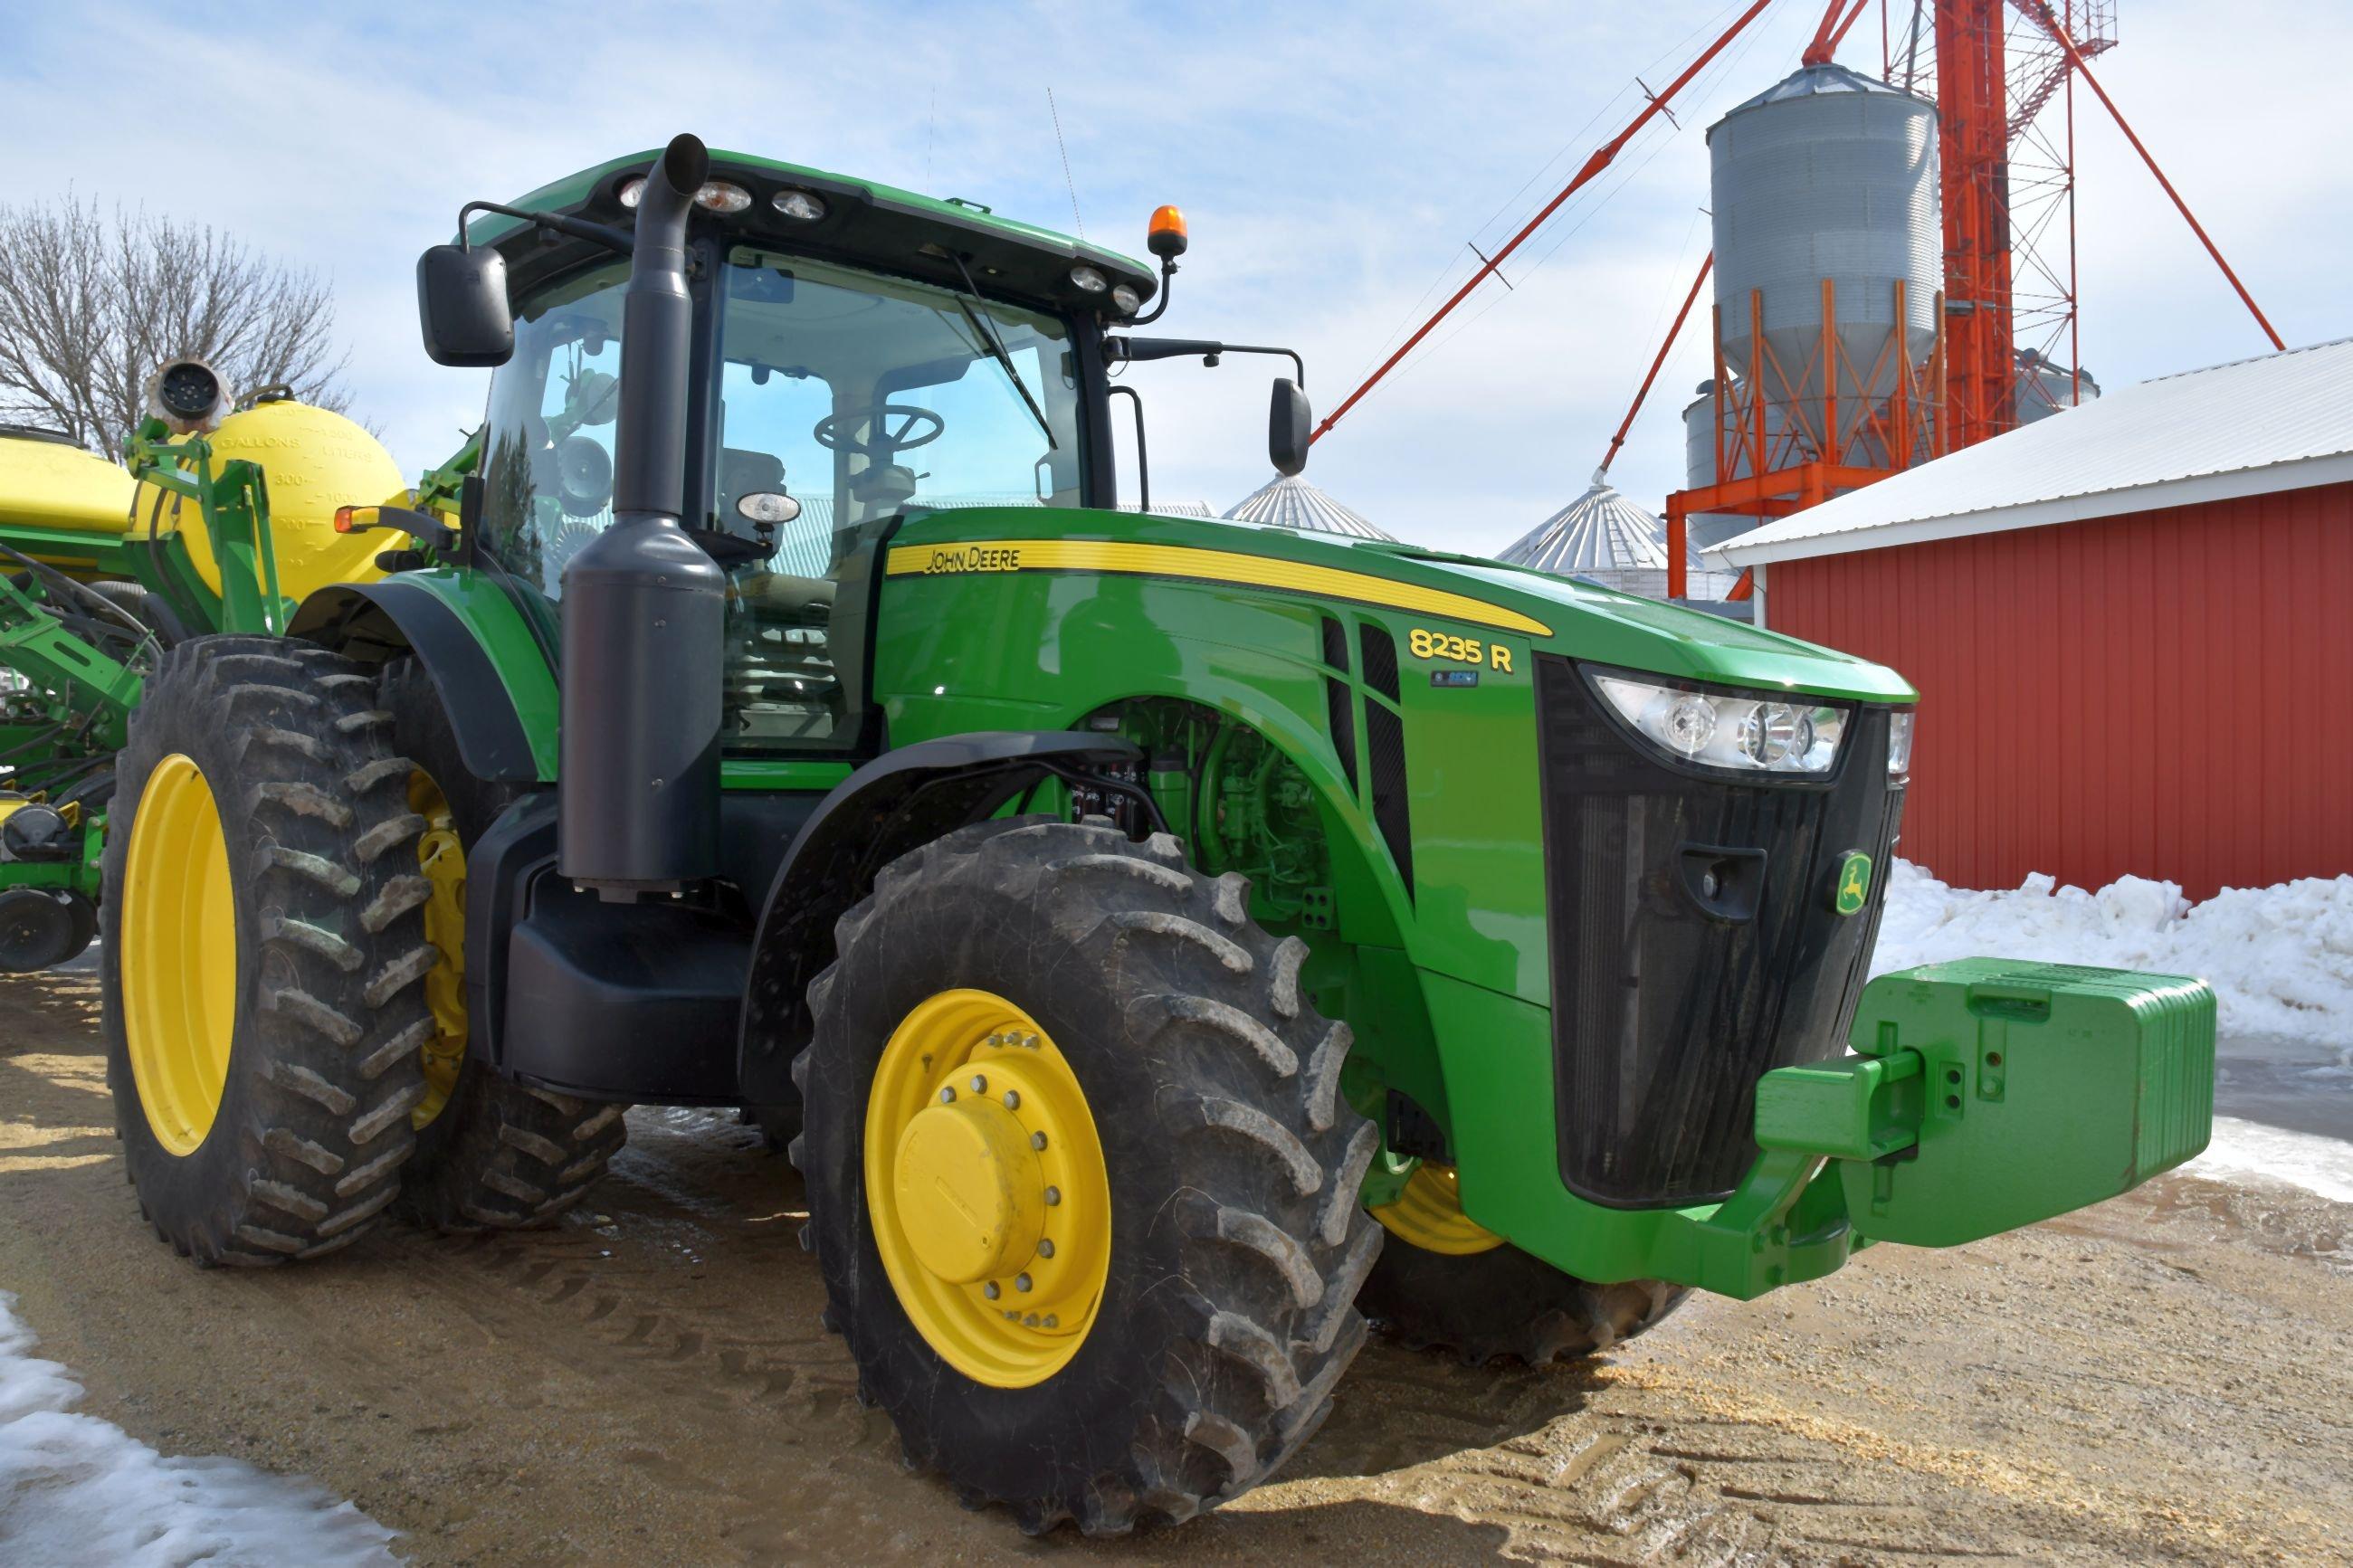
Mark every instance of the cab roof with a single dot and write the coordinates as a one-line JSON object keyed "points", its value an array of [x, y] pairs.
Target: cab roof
{"points": [[864, 221]]}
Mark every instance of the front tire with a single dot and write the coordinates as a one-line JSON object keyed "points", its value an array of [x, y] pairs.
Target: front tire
{"points": [[1445, 1282], [1221, 1211], [262, 972]]}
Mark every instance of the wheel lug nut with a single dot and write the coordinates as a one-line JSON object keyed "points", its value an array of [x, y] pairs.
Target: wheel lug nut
{"points": [[1037, 1140], [1021, 1281], [1052, 1321], [1046, 1248], [1012, 1099], [947, 1097], [990, 1290], [1031, 1322], [1053, 1196], [979, 1084]]}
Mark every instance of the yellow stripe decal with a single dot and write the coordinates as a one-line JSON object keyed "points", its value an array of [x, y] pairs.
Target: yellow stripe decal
{"points": [[983, 555]]}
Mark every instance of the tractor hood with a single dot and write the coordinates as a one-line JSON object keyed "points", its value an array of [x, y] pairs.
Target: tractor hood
{"points": [[1458, 594], [1590, 621]]}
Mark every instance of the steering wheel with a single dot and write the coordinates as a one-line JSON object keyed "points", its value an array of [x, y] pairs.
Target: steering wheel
{"points": [[917, 428]]}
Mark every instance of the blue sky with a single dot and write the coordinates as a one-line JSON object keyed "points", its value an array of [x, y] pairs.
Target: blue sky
{"points": [[1334, 162]]}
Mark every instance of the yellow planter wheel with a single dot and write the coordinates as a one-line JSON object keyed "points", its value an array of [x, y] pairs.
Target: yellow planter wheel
{"points": [[985, 1178]]}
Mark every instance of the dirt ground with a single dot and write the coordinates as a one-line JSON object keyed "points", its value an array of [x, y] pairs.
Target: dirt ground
{"points": [[2166, 1379]]}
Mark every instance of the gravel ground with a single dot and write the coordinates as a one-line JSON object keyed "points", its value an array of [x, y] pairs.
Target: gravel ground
{"points": [[2167, 1378]]}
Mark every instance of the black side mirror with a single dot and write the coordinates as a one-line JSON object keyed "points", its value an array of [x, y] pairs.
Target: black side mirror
{"points": [[1288, 419], [462, 304]]}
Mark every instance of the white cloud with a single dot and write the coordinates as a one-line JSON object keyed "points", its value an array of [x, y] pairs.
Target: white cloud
{"points": [[1332, 162]]}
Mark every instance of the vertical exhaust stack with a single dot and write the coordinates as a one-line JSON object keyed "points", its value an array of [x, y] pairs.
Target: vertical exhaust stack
{"points": [[643, 603]]}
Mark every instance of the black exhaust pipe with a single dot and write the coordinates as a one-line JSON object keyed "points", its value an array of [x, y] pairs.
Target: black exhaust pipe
{"points": [[643, 605]]}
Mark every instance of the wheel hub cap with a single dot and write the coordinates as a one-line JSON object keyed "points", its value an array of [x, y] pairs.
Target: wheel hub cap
{"points": [[972, 1192]]}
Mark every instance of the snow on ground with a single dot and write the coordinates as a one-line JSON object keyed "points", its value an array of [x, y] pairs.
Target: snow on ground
{"points": [[2323, 1167], [2279, 958], [75, 1490]]}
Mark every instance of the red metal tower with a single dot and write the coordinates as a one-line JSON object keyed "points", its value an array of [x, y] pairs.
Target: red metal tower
{"points": [[1973, 151]]}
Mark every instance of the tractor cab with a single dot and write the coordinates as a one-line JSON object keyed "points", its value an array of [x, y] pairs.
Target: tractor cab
{"points": [[859, 355], [831, 400]]}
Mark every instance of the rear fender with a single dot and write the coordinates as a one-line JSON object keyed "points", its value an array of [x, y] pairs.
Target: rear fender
{"points": [[492, 676], [901, 799]]}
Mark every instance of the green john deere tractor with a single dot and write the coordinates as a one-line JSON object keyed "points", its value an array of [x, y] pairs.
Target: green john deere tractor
{"points": [[1176, 943]]}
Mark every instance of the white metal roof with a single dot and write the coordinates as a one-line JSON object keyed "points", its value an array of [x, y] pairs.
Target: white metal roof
{"points": [[1293, 503], [2279, 422]]}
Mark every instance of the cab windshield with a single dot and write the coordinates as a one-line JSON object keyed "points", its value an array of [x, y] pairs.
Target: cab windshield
{"points": [[838, 400]]}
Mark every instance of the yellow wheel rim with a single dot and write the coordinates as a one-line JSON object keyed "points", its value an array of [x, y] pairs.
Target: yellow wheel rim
{"points": [[179, 963], [985, 1182], [441, 855], [1429, 1214]]}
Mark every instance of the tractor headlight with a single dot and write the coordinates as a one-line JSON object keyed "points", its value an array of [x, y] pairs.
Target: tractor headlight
{"points": [[1759, 733], [1087, 280], [1899, 744], [1124, 300]]}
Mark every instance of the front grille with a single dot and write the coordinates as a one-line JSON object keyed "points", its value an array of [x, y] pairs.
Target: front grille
{"points": [[1669, 1003]]}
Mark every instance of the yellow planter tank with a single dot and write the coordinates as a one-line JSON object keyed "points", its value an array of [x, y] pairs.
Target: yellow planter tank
{"points": [[316, 460], [46, 482]]}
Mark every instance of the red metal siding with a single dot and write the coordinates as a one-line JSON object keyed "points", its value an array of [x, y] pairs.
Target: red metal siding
{"points": [[2165, 693]]}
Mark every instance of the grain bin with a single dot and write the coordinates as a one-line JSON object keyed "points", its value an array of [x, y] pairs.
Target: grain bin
{"points": [[1823, 192]]}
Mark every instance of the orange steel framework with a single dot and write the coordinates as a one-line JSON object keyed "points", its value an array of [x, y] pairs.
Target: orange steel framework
{"points": [[1991, 86], [1781, 434]]}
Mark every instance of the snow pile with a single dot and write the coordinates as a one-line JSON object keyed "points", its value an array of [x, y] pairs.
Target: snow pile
{"points": [[76, 1489], [2280, 959]]}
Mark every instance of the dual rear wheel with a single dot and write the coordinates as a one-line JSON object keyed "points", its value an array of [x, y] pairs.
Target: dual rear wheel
{"points": [[282, 973]]}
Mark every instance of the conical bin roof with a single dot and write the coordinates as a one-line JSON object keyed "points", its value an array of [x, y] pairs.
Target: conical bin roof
{"points": [[1292, 502], [1603, 536]]}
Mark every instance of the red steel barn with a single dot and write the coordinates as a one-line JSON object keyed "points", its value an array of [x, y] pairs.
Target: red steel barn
{"points": [[2128, 625]]}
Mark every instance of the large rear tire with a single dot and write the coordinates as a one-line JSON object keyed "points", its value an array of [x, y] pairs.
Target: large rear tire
{"points": [[491, 1154], [1059, 988], [263, 970]]}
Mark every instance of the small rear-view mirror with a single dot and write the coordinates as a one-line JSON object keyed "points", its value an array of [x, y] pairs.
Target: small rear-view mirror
{"points": [[461, 305], [1288, 418]]}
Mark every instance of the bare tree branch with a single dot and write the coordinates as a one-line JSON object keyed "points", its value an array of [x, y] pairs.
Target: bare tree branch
{"points": [[92, 302]]}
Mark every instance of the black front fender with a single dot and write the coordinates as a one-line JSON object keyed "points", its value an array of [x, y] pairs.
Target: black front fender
{"points": [[900, 800]]}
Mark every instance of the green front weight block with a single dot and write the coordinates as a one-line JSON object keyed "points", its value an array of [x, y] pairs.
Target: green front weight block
{"points": [[1988, 1094]]}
